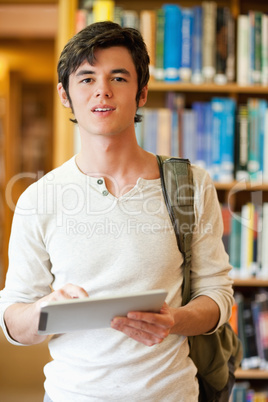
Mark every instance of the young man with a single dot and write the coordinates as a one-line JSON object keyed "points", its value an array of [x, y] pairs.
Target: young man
{"points": [[98, 225]]}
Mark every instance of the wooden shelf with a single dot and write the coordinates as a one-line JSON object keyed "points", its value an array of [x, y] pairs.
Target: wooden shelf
{"points": [[242, 185], [207, 87], [251, 282], [252, 374]]}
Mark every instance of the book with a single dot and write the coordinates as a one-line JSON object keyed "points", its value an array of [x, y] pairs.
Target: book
{"points": [[257, 71], [103, 10], [264, 241], [226, 218], [197, 34], [209, 40], [163, 131], [172, 41], [242, 54], [227, 140], [254, 138], [129, 18], [148, 31], [262, 302], [264, 50], [150, 130], [188, 134], [159, 46], [223, 126], [222, 17], [241, 143], [231, 61], [185, 70], [200, 134], [235, 244]]}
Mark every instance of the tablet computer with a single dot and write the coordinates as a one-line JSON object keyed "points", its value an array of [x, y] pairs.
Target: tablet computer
{"points": [[57, 317]]}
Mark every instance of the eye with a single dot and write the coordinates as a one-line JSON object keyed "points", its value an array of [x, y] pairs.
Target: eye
{"points": [[87, 80], [119, 79]]}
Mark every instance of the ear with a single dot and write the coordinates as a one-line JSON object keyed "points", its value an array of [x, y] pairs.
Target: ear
{"points": [[63, 95], [143, 97]]}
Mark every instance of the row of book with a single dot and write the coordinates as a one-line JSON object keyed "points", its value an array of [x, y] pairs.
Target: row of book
{"points": [[242, 392], [230, 142], [184, 43], [252, 48], [196, 43], [250, 321], [246, 237]]}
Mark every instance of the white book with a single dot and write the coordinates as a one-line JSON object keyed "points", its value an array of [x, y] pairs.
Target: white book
{"points": [[164, 131], [265, 149], [264, 47], [264, 237], [242, 72]]}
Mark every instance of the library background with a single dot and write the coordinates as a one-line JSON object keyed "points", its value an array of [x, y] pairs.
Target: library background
{"points": [[208, 97]]}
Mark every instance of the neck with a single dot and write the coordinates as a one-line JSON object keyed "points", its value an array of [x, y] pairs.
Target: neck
{"points": [[119, 159]]}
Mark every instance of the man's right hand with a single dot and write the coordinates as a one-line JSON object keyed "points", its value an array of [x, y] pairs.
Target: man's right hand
{"points": [[22, 319]]}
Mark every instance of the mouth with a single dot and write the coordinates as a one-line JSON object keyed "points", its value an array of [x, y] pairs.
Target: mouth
{"points": [[103, 109]]}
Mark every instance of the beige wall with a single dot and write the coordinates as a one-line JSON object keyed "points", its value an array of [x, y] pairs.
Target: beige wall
{"points": [[21, 371]]}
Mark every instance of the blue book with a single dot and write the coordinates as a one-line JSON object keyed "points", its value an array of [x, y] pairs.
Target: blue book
{"points": [[262, 113], [150, 130], [235, 244], [172, 42], [197, 76], [208, 137], [217, 128], [188, 134], [175, 151], [228, 141], [200, 142], [254, 138], [223, 138], [185, 71]]}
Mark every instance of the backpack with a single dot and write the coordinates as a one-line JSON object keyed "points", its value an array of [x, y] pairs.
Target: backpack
{"points": [[219, 354]]}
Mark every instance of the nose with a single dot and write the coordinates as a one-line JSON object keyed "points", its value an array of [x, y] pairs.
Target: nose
{"points": [[104, 91]]}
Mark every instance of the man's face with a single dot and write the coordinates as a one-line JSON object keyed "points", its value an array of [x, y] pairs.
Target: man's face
{"points": [[103, 96]]}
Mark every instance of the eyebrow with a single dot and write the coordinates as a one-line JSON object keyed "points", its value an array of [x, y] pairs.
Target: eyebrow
{"points": [[115, 71]]}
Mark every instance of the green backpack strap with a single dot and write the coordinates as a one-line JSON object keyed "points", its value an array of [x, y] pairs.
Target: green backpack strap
{"points": [[178, 190]]}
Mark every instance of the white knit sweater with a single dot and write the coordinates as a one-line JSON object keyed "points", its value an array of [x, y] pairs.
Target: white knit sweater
{"points": [[68, 229]]}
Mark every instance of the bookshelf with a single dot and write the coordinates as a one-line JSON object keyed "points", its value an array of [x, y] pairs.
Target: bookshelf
{"points": [[63, 129], [205, 91]]}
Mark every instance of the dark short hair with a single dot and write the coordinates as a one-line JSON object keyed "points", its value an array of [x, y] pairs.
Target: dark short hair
{"points": [[102, 35]]}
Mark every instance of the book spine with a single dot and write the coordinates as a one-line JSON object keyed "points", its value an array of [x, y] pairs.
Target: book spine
{"points": [[188, 133], [209, 39], [230, 62], [257, 46], [163, 131], [264, 49], [159, 50], [103, 10], [200, 142], [130, 19], [217, 128], [227, 141], [172, 42], [242, 55], [185, 70], [254, 138], [221, 44], [148, 31], [241, 143], [197, 63], [251, 40]]}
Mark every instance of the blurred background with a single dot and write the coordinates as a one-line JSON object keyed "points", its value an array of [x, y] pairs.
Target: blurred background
{"points": [[32, 34]]}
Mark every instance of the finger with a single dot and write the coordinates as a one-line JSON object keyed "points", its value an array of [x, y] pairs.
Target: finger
{"points": [[140, 328], [164, 319], [138, 335]]}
